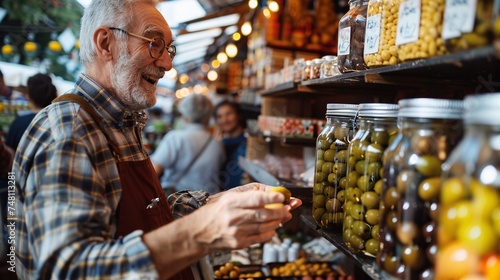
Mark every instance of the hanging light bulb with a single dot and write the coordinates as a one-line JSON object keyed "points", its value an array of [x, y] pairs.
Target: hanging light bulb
{"points": [[222, 57], [253, 4], [246, 28], [236, 36], [273, 6], [231, 50], [215, 63], [266, 12], [212, 75]]}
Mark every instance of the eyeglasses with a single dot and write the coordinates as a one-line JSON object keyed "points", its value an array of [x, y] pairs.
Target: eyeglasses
{"points": [[156, 45]]}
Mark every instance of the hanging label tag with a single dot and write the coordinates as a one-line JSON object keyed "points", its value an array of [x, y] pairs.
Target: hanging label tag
{"points": [[459, 17], [344, 45], [408, 22], [372, 37]]}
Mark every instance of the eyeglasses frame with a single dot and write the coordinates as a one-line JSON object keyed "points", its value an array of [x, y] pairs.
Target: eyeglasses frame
{"points": [[171, 49]]}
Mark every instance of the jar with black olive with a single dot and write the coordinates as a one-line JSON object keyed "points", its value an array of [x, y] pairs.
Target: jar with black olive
{"points": [[429, 130], [377, 124], [469, 197], [351, 38], [331, 162], [464, 34]]}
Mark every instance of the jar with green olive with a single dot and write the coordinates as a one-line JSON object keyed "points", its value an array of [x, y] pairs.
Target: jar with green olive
{"points": [[419, 29], [469, 197], [474, 29], [331, 161], [380, 40], [351, 37], [429, 130], [363, 182]]}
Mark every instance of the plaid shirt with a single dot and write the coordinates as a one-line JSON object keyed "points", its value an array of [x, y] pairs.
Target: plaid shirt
{"points": [[69, 189]]}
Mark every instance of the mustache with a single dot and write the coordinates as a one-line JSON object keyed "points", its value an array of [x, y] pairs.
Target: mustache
{"points": [[153, 71]]}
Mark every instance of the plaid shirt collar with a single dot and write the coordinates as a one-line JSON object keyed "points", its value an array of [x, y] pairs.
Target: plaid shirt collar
{"points": [[104, 103]]}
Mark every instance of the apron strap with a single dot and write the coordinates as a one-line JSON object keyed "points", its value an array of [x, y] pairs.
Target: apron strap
{"points": [[95, 116]]}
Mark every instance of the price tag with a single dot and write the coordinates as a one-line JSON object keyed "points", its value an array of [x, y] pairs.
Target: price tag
{"points": [[372, 37], [459, 17], [344, 41], [408, 22]]}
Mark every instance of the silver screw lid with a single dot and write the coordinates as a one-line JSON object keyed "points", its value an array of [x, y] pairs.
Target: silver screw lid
{"points": [[482, 109], [431, 108], [378, 110], [341, 109]]}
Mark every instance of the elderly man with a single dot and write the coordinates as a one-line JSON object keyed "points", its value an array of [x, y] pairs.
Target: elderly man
{"points": [[89, 204]]}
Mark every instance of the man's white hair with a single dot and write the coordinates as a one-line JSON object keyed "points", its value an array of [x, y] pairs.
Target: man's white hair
{"points": [[111, 13]]}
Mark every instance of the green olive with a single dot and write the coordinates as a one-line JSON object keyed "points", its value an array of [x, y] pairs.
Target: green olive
{"points": [[422, 145], [429, 166], [351, 162], [374, 153], [358, 148], [339, 169], [354, 195], [380, 137], [405, 178], [376, 232], [326, 219], [348, 221], [352, 179], [370, 200], [324, 144], [413, 256], [341, 132], [342, 156], [319, 201], [343, 182], [338, 218], [333, 205], [360, 166], [365, 183], [341, 196], [318, 189], [391, 220], [333, 178], [429, 189], [333, 146], [378, 187], [318, 213], [391, 264], [347, 207], [357, 211], [329, 155], [391, 197], [319, 164], [356, 242], [362, 229], [319, 154], [327, 168], [452, 191], [373, 216], [372, 247], [329, 192], [346, 233], [373, 170], [320, 177]]}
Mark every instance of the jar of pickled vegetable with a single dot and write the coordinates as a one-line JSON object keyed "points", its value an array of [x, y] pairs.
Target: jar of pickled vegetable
{"points": [[377, 128], [418, 33], [351, 38], [380, 39], [429, 130], [468, 25], [469, 197], [331, 161]]}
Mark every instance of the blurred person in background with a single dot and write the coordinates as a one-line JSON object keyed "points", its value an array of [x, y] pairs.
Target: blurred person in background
{"points": [[41, 92], [231, 125], [190, 158], [7, 92]]}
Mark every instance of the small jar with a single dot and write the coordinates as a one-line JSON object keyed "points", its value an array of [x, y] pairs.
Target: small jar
{"points": [[329, 67], [475, 33], [428, 42], [351, 37], [298, 65], [316, 68], [306, 70], [381, 28], [469, 200], [363, 182], [331, 159], [429, 130]]}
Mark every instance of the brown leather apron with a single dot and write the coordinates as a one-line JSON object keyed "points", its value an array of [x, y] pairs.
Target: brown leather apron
{"points": [[143, 204]]}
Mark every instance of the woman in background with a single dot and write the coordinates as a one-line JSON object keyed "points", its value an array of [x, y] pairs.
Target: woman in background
{"points": [[231, 126], [41, 92]]}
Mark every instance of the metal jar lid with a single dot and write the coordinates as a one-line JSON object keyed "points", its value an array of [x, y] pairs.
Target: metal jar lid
{"points": [[329, 57], [431, 108], [378, 110], [341, 109], [482, 109]]}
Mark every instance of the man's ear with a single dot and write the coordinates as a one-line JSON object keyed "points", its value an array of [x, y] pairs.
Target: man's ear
{"points": [[103, 41]]}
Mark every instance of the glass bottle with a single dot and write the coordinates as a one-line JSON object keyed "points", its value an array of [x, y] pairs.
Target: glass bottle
{"points": [[469, 200], [381, 25], [429, 130], [363, 183], [351, 38], [331, 159]]}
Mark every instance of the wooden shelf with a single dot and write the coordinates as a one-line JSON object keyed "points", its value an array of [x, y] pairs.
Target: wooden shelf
{"points": [[367, 264]]}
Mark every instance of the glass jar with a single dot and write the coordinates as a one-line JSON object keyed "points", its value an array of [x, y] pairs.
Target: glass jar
{"points": [[331, 158], [351, 38], [377, 128], [306, 70], [469, 200], [316, 68], [298, 65], [329, 67], [380, 40], [428, 42], [429, 130], [471, 34]]}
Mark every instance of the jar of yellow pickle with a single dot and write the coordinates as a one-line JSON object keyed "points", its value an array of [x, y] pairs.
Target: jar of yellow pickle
{"points": [[419, 29], [469, 197], [429, 130], [380, 39], [363, 183], [331, 161]]}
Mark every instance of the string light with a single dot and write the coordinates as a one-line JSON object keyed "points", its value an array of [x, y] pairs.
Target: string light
{"points": [[212, 75], [246, 28], [273, 6], [231, 50], [253, 4], [184, 78], [215, 63], [222, 57], [236, 36]]}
